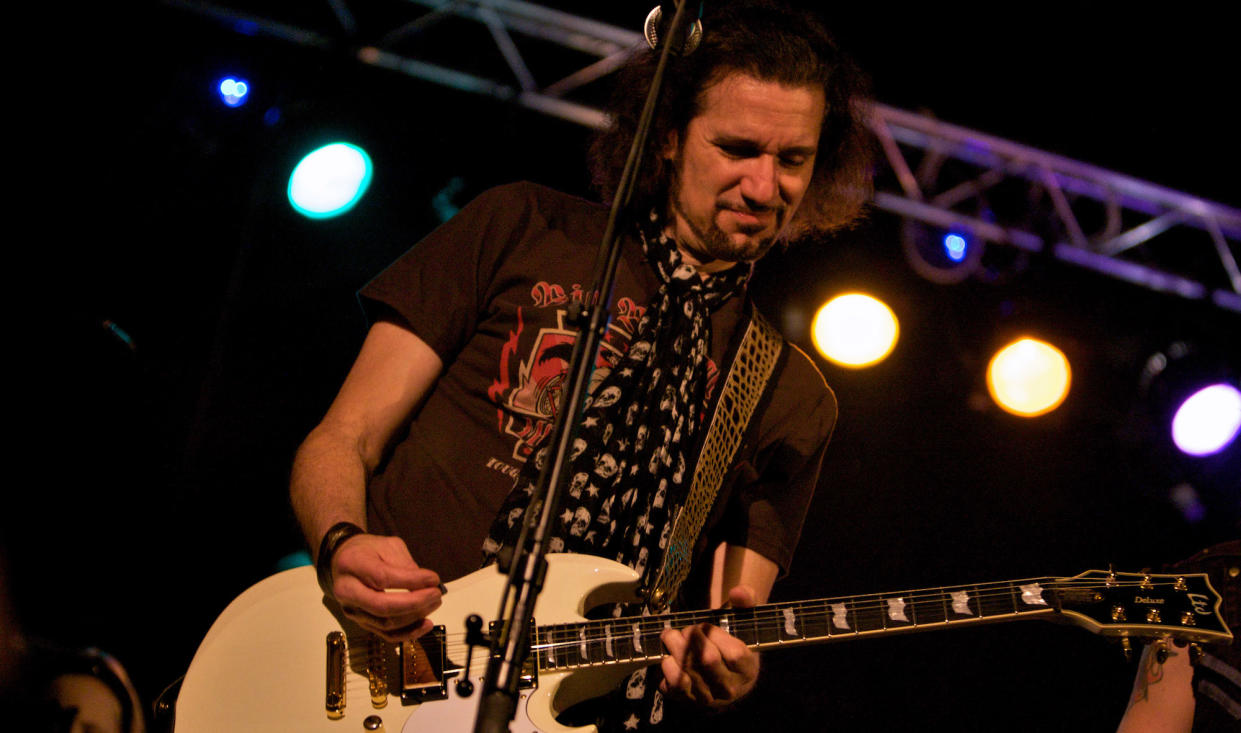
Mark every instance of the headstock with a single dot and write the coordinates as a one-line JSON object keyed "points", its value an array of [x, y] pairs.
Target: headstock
{"points": [[1144, 605]]}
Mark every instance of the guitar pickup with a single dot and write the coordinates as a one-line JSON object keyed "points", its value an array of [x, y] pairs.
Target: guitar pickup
{"points": [[422, 668]]}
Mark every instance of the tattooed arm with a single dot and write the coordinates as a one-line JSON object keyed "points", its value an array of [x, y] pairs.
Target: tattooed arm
{"points": [[1163, 697]]}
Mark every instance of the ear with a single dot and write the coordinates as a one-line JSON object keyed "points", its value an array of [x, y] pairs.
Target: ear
{"points": [[670, 147]]}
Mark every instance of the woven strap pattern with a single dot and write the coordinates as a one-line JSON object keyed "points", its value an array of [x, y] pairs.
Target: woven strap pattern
{"points": [[747, 378]]}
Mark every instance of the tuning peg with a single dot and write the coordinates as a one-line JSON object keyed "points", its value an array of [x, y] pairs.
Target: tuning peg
{"points": [[1127, 647], [1195, 653], [1161, 652]]}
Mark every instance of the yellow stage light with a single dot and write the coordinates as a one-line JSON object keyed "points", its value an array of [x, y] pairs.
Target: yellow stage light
{"points": [[1028, 377], [855, 330]]}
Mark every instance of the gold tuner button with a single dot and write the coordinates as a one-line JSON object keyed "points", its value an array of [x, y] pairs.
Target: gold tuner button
{"points": [[1179, 584], [1118, 613], [373, 722], [1161, 652], [1152, 616], [1195, 653], [1187, 619], [1127, 647]]}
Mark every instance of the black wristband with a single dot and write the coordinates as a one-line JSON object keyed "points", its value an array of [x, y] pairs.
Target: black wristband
{"points": [[338, 533]]}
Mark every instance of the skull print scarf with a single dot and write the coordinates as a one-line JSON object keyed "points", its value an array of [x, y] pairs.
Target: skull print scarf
{"points": [[630, 466]]}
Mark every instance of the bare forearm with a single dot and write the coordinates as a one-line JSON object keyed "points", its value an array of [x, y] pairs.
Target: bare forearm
{"points": [[328, 483], [1163, 697]]}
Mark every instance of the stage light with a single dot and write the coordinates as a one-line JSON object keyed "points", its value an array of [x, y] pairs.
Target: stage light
{"points": [[1028, 377], [234, 92], [330, 181], [944, 256], [1208, 420], [1193, 392], [955, 247], [855, 330]]}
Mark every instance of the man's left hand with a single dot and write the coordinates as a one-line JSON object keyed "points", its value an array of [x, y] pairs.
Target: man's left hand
{"points": [[706, 665]]}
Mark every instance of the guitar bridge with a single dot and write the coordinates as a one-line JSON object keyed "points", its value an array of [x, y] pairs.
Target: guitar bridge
{"points": [[422, 668]]}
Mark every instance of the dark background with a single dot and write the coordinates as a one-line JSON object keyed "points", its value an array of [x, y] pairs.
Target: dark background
{"points": [[159, 466]]}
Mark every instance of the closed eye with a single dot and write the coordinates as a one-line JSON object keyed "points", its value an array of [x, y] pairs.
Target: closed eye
{"points": [[739, 150]]}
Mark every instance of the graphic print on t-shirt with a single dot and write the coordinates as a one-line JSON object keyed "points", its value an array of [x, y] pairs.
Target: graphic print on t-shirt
{"points": [[528, 390]]}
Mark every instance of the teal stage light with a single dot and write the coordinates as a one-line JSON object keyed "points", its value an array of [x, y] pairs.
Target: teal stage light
{"points": [[330, 181]]}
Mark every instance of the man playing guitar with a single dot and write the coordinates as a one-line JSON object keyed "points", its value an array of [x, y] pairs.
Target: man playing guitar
{"points": [[408, 481]]}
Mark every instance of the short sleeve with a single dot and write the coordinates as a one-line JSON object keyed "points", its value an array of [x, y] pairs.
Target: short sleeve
{"points": [[774, 487], [439, 286]]}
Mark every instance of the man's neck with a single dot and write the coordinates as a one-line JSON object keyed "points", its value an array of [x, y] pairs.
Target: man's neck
{"points": [[704, 265]]}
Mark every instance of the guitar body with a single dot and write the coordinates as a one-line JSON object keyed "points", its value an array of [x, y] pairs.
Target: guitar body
{"points": [[262, 665]]}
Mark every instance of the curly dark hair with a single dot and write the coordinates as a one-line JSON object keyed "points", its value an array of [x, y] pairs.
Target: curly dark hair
{"points": [[771, 42]]}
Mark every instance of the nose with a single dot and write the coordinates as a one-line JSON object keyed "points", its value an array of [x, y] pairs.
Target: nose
{"points": [[760, 185]]}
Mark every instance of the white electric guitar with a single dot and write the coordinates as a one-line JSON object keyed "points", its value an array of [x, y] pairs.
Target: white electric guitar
{"points": [[281, 658]]}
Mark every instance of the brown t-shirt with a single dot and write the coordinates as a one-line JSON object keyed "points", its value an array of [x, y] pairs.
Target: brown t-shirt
{"points": [[489, 291]]}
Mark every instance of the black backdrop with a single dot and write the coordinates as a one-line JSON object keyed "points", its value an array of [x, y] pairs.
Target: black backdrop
{"points": [[161, 464]]}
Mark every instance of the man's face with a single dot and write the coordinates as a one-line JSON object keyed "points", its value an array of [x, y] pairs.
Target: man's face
{"points": [[743, 168]]}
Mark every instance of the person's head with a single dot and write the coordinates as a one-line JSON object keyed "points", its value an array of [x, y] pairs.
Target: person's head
{"points": [[760, 131], [81, 691]]}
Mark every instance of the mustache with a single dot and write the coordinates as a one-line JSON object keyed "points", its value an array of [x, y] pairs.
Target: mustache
{"points": [[754, 210]]}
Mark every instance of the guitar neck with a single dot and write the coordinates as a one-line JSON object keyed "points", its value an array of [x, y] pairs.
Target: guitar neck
{"points": [[778, 625]]}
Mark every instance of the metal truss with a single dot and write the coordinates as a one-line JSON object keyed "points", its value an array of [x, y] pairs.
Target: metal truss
{"points": [[945, 176]]}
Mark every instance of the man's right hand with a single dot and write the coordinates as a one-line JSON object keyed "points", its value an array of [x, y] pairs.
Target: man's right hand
{"points": [[379, 586]]}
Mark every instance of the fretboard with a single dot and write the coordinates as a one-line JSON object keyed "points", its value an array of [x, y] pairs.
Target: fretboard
{"points": [[637, 639]]}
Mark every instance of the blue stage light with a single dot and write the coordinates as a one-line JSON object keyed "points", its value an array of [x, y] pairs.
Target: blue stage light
{"points": [[955, 247], [234, 91]]}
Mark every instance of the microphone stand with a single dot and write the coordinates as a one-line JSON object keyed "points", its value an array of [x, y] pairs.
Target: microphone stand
{"points": [[528, 565]]}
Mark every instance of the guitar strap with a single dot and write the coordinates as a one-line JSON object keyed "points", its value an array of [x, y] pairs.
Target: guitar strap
{"points": [[748, 377]]}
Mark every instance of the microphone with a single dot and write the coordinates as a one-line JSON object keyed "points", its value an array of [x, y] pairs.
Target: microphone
{"points": [[657, 25]]}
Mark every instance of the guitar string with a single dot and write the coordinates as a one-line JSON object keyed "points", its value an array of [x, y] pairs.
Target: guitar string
{"points": [[1004, 591], [454, 643], [810, 613], [860, 605]]}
